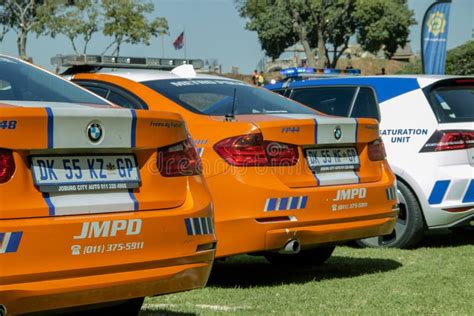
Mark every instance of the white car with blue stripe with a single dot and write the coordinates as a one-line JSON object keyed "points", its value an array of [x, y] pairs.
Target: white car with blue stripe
{"points": [[427, 125]]}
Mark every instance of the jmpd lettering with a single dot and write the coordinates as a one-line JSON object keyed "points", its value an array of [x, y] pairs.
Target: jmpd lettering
{"points": [[110, 228], [350, 194]]}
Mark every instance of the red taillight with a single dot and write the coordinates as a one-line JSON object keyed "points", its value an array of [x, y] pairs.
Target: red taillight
{"points": [[180, 159], [376, 150], [7, 165], [458, 209], [449, 140], [251, 150]]}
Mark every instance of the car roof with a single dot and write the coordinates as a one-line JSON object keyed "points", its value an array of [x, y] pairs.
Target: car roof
{"points": [[141, 75], [386, 87]]}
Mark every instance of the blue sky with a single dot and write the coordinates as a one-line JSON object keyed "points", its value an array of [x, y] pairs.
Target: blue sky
{"points": [[215, 30]]}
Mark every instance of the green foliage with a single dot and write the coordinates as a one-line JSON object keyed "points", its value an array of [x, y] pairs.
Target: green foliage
{"points": [[328, 25], [126, 22], [460, 60], [383, 25], [23, 17], [80, 19]]}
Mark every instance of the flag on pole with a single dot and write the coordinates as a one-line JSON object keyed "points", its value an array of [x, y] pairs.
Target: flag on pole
{"points": [[434, 37], [179, 41]]}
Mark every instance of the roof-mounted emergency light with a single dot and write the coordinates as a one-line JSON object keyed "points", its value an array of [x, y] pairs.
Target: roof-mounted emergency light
{"points": [[123, 62], [298, 71]]}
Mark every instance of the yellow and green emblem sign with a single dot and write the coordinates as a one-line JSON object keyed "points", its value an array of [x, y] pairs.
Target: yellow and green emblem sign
{"points": [[436, 23]]}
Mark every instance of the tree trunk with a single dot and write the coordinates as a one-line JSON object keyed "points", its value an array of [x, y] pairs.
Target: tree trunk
{"points": [[322, 59], [21, 42], [298, 26], [310, 57]]}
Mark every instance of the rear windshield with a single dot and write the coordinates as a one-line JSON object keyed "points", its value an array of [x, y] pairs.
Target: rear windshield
{"points": [[20, 81], [453, 102], [339, 101], [216, 97]]}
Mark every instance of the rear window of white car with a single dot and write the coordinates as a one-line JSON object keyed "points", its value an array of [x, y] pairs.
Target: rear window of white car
{"points": [[453, 101], [218, 97], [20, 81], [339, 101]]}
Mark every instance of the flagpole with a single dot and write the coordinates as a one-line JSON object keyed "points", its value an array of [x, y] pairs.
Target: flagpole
{"points": [[185, 41], [162, 45]]}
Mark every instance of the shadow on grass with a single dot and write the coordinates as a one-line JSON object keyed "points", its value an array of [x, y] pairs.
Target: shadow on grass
{"points": [[445, 238], [249, 271], [164, 312]]}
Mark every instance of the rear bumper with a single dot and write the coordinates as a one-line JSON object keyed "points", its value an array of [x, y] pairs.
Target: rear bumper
{"points": [[76, 291], [331, 232], [67, 261], [264, 215]]}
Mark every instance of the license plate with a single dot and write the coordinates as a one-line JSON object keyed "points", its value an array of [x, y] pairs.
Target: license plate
{"points": [[85, 173], [332, 159]]}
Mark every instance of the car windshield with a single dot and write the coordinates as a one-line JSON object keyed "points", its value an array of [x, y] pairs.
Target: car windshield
{"points": [[454, 102], [20, 81], [218, 97]]}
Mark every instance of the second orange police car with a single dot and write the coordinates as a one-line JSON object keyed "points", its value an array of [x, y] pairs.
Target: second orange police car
{"points": [[286, 181]]}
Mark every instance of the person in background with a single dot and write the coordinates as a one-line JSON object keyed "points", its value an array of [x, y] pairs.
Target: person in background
{"points": [[254, 77], [260, 79]]}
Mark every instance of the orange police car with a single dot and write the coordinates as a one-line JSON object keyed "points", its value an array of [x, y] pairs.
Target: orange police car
{"points": [[100, 206], [287, 182]]}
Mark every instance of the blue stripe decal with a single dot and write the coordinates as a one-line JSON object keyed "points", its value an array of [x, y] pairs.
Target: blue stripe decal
{"points": [[50, 128], [356, 130], [189, 229], [315, 131], [51, 208], [134, 199], [316, 177], [469, 196], [204, 226], [439, 191], [272, 204], [14, 242], [283, 204], [134, 129], [2, 235], [294, 202], [303, 203], [209, 224], [197, 228], [358, 178]]}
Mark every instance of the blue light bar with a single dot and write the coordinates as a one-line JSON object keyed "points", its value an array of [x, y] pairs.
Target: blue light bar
{"points": [[297, 71]]}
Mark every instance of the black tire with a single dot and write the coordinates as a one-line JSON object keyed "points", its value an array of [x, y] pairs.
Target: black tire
{"points": [[129, 308], [307, 257], [409, 229]]}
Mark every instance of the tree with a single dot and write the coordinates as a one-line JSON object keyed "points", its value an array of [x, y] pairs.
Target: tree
{"points": [[126, 22], [327, 25], [460, 60], [77, 18], [383, 24], [23, 17]]}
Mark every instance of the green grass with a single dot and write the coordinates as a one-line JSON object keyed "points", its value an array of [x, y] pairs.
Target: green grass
{"points": [[437, 278]]}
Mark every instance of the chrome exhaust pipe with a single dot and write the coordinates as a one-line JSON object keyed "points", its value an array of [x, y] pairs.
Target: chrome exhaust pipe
{"points": [[291, 247]]}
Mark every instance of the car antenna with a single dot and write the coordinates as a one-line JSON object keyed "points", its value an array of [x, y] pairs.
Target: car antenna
{"points": [[231, 116]]}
